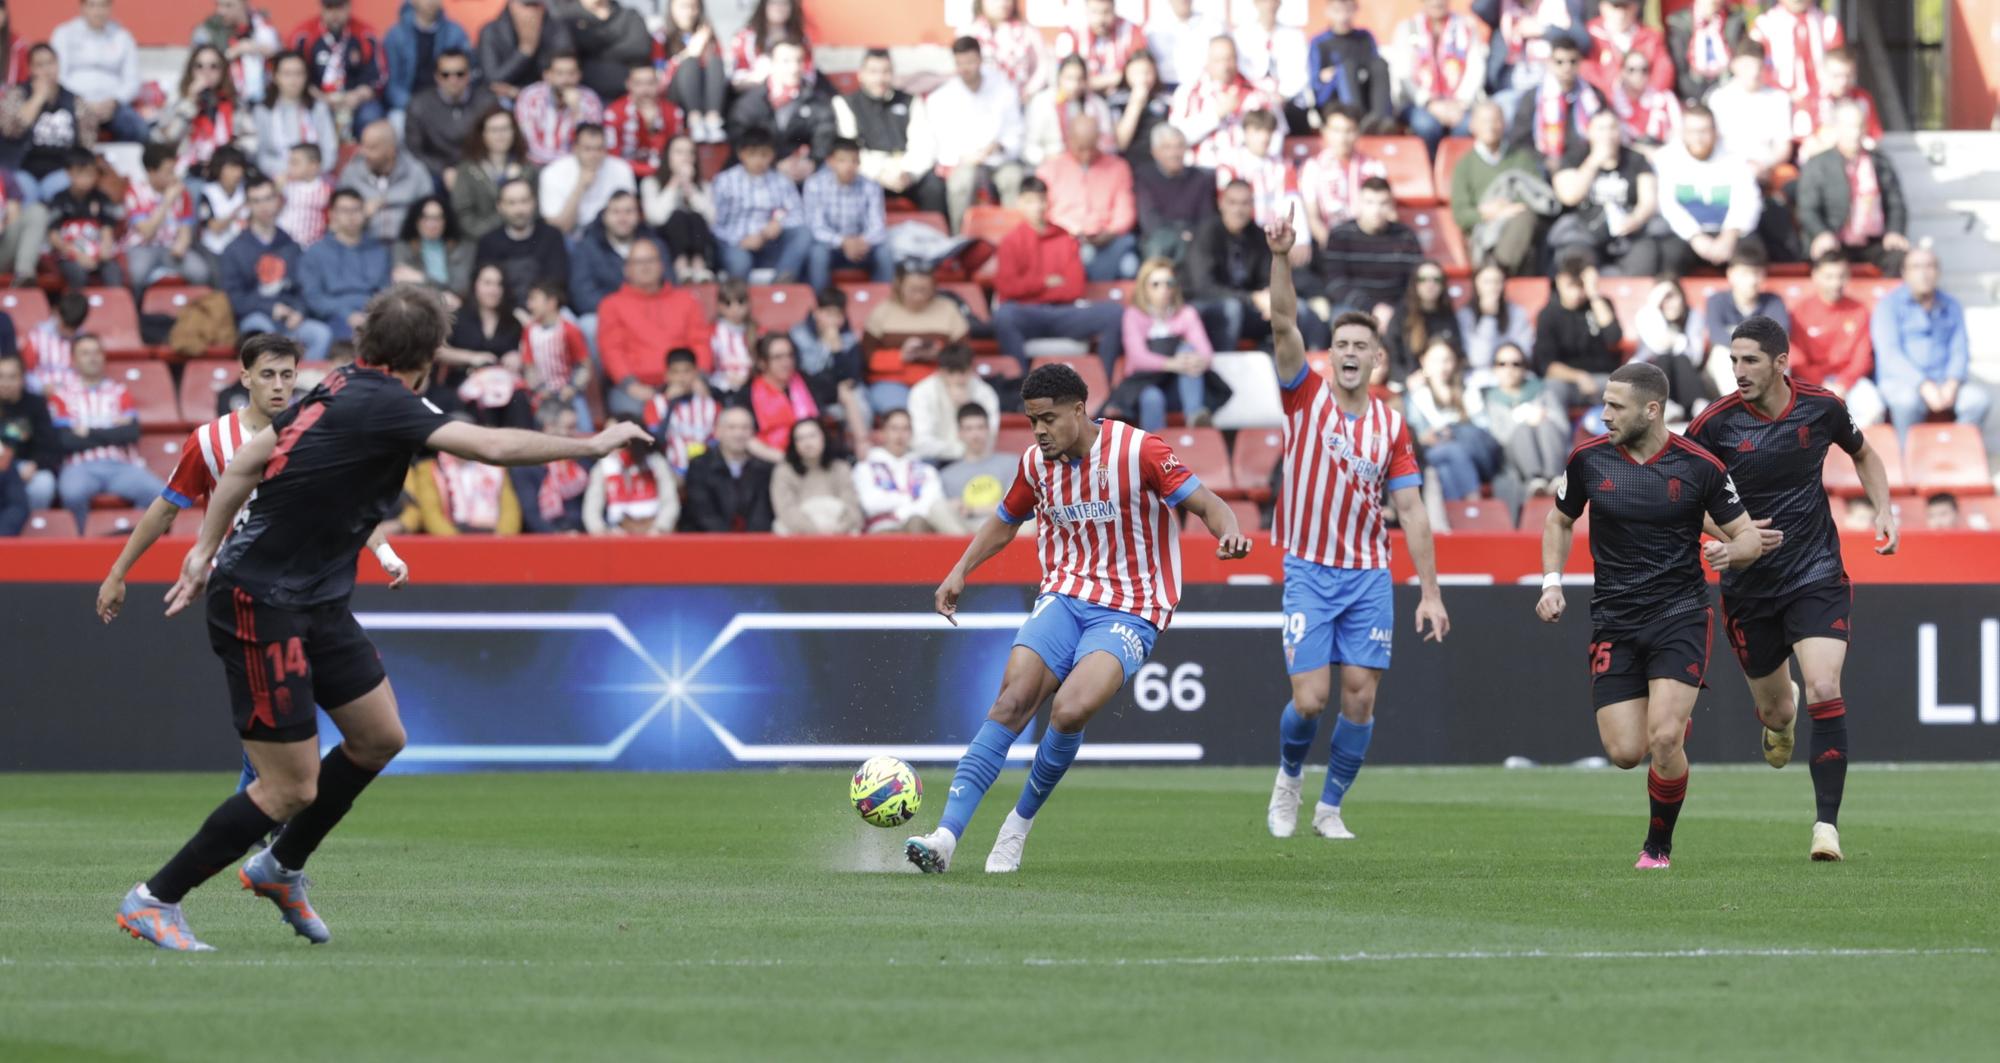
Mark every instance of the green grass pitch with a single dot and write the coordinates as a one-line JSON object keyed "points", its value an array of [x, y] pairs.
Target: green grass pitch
{"points": [[1481, 915]]}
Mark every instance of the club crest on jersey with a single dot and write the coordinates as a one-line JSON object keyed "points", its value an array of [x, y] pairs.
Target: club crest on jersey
{"points": [[1103, 478], [1673, 489], [1805, 436], [1341, 446]]}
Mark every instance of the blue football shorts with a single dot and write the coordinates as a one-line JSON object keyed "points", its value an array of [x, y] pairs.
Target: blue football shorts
{"points": [[1337, 616], [1063, 631]]}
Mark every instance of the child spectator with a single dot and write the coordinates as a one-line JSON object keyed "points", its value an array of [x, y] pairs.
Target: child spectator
{"points": [[899, 493], [555, 362], [97, 425], [307, 191], [977, 481], [1330, 182], [46, 350], [224, 207], [160, 225], [936, 400], [759, 219], [1259, 163], [632, 492], [844, 213], [83, 228], [683, 415], [812, 491], [732, 338]]}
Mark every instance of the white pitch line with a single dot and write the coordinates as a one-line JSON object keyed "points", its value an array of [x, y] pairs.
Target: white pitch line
{"points": [[1301, 959]]}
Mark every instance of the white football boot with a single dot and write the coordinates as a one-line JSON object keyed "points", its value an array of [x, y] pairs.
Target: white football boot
{"points": [[1006, 854], [1283, 817], [932, 852], [1826, 842], [1327, 824]]}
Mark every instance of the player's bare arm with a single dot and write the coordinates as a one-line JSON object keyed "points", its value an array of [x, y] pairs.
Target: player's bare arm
{"points": [[1215, 514], [157, 521], [991, 538], [238, 482], [1558, 533], [394, 566], [1287, 346], [1744, 541], [1416, 524], [1716, 550], [516, 446], [1875, 483]]}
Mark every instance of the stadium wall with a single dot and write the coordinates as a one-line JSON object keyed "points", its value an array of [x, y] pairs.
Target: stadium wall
{"points": [[522, 656]]}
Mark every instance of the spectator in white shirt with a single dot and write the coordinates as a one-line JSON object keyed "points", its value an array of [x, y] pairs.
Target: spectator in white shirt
{"points": [[1710, 199], [899, 492], [575, 188], [976, 119], [1177, 33], [1438, 62], [1275, 56], [936, 400], [100, 64], [1753, 121]]}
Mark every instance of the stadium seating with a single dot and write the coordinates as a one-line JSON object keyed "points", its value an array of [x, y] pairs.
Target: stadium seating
{"points": [[1438, 235], [1204, 453], [1946, 457], [1980, 513], [777, 307], [171, 299], [862, 299], [704, 294], [115, 320], [161, 451], [1115, 291], [152, 390], [1535, 513], [1257, 453], [992, 367], [103, 522], [1450, 150], [1014, 439], [928, 218], [27, 306], [973, 296], [201, 380], [1249, 519], [49, 524], [1088, 366], [1409, 166], [1478, 515], [1254, 401]]}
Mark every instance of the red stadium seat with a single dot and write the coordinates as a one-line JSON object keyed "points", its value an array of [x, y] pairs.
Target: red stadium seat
{"points": [[862, 299], [1882, 440], [1438, 235], [1698, 290], [171, 299], [1528, 293], [1249, 519], [1843, 481], [1535, 513], [49, 524], [996, 367], [1628, 296], [1409, 166], [1839, 476], [705, 295], [1115, 291], [844, 82], [1300, 148], [161, 451], [1014, 440], [777, 307], [1980, 514], [1204, 453], [1257, 453], [27, 306], [1450, 150], [152, 389], [115, 320], [973, 296], [711, 159], [1947, 457], [1087, 366], [201, 380], [106, 522], [1479, 515]]}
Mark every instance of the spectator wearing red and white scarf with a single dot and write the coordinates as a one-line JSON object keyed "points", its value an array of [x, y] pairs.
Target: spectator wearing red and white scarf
{"points": [[682, 417], [97, 426], [1047, 118], [1701, 39], [160, 225], [1269, 53], [1437, 59], [1616, 33], [631, 494], [1105, 42], [247, 39], [1812, 120], [345, 64], [1796, 35], [1850, 200], [749, 52], [638, 125], [549, 110], [204, 118], [1330, 182], [1273, 184], [1647, 117], [1013, 48], [1558, 111], [733, 337], [1209, 110]]}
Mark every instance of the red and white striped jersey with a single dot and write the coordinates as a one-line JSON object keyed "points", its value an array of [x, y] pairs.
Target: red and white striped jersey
{"points": [[631, 139], [105, 404], [1104, 530], [141, 201], [1102, 55], [690, 425], [303, 217], [203, 457], [550, 353], [1273, 185], [1336, 468], [748, 61], [1202, 113], [547, 127], [1331, 188], [46, 354], [731, 343], [1013, 48]]}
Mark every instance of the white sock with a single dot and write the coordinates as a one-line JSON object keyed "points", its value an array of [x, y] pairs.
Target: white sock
{"points": [[1015, 823], [1323, 808]]}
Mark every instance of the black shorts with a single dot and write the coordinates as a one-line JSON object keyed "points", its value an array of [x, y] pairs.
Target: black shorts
{"points": [[1622, 663], [1764, 630], [281, 662]]}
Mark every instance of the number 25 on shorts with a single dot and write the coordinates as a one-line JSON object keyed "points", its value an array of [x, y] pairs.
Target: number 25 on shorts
{"points": [[1600, 658]]}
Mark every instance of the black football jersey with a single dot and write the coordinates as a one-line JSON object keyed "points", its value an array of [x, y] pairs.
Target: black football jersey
{"points": [[335, 473], [1645, 526], [1778, 465]]}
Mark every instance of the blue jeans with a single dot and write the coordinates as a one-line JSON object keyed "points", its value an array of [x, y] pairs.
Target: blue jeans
{"points": [[126, 125], [785, 256], [1229, 321], [1464, 461], [1907, 408], [82, 480], [823, 259], [1190, 390], [43, 190], [314, 336], [1117, 260], [1426, 125], [1014, 324], [886, 395]]}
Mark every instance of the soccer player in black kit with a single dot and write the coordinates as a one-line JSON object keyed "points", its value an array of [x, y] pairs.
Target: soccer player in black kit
{"points": [[1772, 436], [1649, 492], [325, 473]]}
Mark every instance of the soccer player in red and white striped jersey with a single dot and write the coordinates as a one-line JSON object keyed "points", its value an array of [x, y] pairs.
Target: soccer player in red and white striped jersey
{"points": [[1343, 450], [1102, 494]]}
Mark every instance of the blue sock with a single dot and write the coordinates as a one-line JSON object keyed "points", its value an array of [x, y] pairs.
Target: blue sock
{"points": [[1052, 759], [249, 775], [976, 771], [1295, 739], [1350, 748]]}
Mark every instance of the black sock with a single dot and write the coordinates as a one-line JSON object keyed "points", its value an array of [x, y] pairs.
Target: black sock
{"points": [[227, 834], [1666, 796], [340, 782], [1829, 757]]}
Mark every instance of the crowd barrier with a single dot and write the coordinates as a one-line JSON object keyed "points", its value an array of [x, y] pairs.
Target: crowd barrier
{"points": [[714, 653]]}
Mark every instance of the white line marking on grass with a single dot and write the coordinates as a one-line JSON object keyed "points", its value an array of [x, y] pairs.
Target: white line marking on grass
{"points": [[1304, 959]]}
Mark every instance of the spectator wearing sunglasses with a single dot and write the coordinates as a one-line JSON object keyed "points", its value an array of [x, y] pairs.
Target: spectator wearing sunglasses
{"points": [[1521, 415]]}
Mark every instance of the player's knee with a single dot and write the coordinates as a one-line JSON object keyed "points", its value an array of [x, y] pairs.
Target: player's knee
{"points": [[1068, 717], [283, 799], [1822, 688], [1625, 758], [1012, 709], [1665, 741], [1357, 706], [1309, 703], [376, 749]]}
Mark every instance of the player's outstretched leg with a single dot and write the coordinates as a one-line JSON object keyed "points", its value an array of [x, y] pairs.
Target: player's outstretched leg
{"points": [[1821, 660], [1669, 704], [1093, 682], [1776, 699], [1296, 730], [1027, 683], [1351, 735]]}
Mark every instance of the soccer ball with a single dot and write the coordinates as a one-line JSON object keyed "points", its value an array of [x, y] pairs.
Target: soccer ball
{"points": [[887, 792]]}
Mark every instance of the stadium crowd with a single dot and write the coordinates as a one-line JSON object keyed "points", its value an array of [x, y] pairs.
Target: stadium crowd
{"points": [[816, 288]]}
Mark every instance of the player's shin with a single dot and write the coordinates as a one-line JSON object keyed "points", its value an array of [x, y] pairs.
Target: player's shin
{"points": [[341, 780], [227, 834], [1296, 732], [1665, 796], [1052, 758], [1343, 763], [976, 771], [1829, 757]]}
